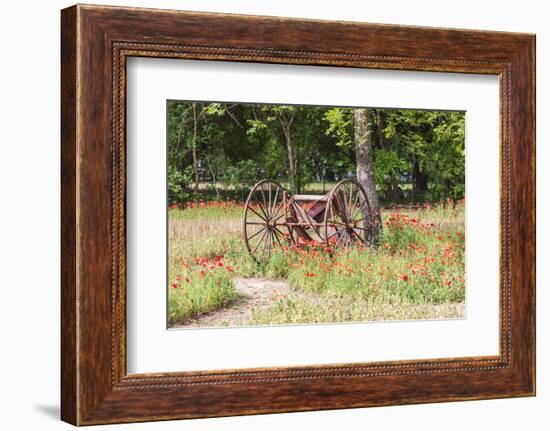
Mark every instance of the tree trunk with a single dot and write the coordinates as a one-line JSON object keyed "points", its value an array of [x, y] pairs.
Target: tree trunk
{"points": [[214, 182], [291, 163], [420, 180], [286, 125], [195, 163], [365, 172]]}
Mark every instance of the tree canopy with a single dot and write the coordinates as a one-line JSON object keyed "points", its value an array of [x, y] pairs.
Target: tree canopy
{"points": [[224, 148]]}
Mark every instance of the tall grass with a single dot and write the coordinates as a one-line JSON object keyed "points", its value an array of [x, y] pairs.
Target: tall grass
{"points": [[420, 262], [204, 291]]}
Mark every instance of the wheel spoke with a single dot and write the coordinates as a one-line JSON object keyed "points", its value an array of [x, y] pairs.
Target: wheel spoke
{"points": [[276, 234], [360, 208], [348, 240], [275, 220], [354, 206], [338, 223], [276, 212], [257, 233], [334, 233], [269, 201], [275, 201], [348, 215], [290, 234], [270, 243], [256, 212], [358, 236], [345, 238], [260, 241], [335, 215], [266, 242], [265, 203], [277, 230], [340, 209], [339, 239], [257, 239], [360, 228]]}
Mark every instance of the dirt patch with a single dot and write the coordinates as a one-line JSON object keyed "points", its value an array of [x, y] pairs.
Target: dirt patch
{"points": [[252, 293], [259, 294]]}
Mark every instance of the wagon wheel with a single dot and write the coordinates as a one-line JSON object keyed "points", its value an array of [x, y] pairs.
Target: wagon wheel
{"points": [[347, 215], [264, 219]]}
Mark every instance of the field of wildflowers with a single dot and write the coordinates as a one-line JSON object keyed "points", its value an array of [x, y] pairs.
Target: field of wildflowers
{"points": [[417, 272]]}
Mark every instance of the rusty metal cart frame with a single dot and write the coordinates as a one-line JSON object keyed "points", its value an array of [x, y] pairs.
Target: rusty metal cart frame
{"points": [[274, 218]]}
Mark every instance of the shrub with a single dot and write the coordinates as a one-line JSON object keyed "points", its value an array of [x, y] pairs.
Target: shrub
{"points": [[178, 182]]}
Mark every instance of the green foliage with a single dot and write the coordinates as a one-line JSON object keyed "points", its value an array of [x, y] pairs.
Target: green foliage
{"points": [[243, 174], [446, 167], [340, 125], [389, 167], [178, 183], [432, 142], [419, 154], [255, 127]]}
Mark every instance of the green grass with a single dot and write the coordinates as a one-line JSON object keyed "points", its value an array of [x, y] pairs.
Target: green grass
{"points": [[331, 309], [418, 268], [203, 292]]}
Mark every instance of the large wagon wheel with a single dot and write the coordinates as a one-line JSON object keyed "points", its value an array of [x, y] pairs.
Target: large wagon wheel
{"points": [[264, 219], [347, 215]]}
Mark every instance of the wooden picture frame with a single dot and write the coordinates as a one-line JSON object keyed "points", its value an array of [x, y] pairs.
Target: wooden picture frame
{"points": [[95, 43]]}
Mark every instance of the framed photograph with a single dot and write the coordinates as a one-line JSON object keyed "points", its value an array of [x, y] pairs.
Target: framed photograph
{"points": [[264, 215]]}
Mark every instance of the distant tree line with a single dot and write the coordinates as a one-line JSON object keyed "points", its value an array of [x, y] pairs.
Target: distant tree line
{"points": [[224, 148]]}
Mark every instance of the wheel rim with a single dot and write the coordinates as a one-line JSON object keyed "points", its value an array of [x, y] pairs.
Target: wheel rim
{"points": [[346, 216], [264, 220]]}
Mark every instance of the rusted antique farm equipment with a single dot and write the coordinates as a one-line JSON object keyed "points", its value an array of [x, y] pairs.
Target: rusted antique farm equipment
{"points": [[274, 218]]}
